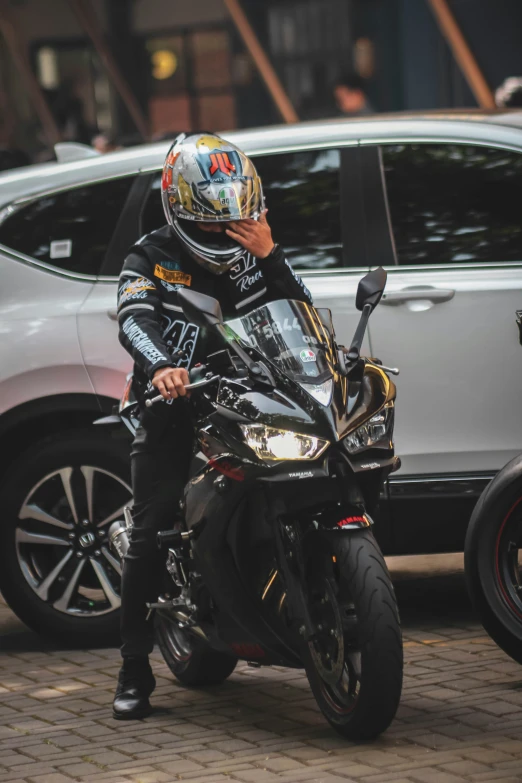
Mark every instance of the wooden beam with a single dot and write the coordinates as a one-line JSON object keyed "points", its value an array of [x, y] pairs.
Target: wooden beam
{"points": [[462, 53], [17, 46], [90, 23], [263, 64]]}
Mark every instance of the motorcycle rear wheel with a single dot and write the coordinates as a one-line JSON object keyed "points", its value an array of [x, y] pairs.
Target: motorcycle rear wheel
{"points": [[493, 559], [355, 672], [190, 659]]}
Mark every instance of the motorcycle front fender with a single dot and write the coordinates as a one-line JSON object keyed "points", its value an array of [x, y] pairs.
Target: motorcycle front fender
{"points": [[344, 519]]}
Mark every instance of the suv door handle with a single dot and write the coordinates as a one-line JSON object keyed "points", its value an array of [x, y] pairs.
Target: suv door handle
{"points": [[429, 293], [113, 314]]}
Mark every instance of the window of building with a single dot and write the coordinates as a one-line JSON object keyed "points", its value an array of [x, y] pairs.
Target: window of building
{"points": [[453, 203], [302, 195], [69, 230], [191, 81], [310, 41], [76, 86]]}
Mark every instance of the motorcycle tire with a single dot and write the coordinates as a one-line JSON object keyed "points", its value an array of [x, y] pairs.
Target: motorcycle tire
{"points": [[365, 699], [33, 582], [491, 559], [190, 659]]}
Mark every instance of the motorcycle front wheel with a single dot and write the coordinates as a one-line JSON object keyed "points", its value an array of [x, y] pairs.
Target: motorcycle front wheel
{"points": [[354, 664], [190, 659]]}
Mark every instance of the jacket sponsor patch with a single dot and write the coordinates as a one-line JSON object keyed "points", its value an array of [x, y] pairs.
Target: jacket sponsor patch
{"points": [[131, 290], [174, 276], [172, 265]]}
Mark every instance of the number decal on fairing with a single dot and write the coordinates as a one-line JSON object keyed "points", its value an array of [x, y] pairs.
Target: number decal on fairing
{"points": [[276, 327]]}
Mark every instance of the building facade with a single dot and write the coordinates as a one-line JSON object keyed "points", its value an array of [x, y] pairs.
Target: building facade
{"points": [[190, 69]]}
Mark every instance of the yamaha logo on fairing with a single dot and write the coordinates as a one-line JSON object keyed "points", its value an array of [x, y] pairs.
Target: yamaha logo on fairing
{"points": [[87, 539]]}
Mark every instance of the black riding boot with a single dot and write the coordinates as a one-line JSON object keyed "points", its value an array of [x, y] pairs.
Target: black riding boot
{"points": [[135, 684]]}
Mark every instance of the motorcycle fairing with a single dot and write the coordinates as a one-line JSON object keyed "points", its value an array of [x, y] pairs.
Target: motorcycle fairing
{"points": [[217, 519]]}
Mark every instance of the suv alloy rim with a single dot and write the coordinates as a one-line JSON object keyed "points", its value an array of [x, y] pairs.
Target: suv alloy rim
{"points": [[61, 539]]}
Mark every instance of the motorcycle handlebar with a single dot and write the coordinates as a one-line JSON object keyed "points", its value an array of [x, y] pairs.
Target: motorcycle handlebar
{"points": [[188, 387]]}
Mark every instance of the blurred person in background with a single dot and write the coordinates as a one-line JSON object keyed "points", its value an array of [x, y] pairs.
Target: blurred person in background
{"points": [[350, 97], [343, 97], [105, 142], [509, 94]]}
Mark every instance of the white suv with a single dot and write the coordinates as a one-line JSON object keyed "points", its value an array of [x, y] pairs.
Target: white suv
{"points": [[435, 199]]}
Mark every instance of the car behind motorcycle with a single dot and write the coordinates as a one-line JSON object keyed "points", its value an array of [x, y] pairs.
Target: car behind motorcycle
{"points": [[272, 559]]}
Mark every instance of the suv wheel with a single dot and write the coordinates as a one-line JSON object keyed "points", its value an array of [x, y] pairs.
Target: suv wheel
{"points": [[58, 501]]}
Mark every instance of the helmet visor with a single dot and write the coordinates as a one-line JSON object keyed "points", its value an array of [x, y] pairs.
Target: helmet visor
{"points": [[212, 201]]}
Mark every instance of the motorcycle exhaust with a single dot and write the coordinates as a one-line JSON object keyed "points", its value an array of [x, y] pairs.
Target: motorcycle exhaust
{"points": [[119, 534]]}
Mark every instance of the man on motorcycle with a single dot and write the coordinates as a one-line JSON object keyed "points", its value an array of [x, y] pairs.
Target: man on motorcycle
{"points": [[217, 242]]}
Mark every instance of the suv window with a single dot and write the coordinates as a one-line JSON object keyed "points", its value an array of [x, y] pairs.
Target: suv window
{"points": [[302, 196], [453, 203], [69, 230]]}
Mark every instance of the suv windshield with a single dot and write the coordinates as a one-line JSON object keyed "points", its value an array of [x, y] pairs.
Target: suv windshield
{"points": [[294, 336]]}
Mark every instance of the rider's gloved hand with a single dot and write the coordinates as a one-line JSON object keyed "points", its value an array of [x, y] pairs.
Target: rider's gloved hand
{"points": [[171, 382]]}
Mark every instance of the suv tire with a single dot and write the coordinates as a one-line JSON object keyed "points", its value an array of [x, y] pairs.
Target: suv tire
{"points": [[57, 571]]}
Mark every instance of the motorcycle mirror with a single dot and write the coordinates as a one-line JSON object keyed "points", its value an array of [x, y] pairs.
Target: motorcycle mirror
{"points": [[371, 288], [200, 309]]}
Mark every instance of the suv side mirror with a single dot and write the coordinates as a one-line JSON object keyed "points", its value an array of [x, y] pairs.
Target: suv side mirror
{"points": [[371, 288], [200, 309]]}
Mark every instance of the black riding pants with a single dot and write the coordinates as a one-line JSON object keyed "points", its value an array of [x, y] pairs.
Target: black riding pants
{"points": [[160, 459]]}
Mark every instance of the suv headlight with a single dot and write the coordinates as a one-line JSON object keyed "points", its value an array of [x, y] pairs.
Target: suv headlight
{"points": [[270, 443], [374, 430]]}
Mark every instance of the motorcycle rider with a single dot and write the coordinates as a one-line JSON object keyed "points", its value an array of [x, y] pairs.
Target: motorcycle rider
{"points": [[217, 241]]}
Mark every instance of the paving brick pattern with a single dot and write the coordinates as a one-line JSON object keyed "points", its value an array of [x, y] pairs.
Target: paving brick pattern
{"points": [[460, 717]]}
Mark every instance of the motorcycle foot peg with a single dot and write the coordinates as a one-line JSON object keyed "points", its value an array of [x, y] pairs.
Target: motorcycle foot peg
{"points": [[172, 538]]}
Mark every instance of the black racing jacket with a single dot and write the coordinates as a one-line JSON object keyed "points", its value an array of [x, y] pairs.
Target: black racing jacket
{"points": [[152, 327]]}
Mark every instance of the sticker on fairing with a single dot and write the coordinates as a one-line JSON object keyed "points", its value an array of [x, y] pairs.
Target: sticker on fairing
{"points": [[172, 276], [307, 356]]}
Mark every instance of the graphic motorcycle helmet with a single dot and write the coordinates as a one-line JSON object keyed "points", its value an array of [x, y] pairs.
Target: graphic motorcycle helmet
{"points": [[209, 180]]}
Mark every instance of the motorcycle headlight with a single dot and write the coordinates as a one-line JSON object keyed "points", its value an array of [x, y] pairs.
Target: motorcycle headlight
{"points": [[374, 430], [270, 443]]}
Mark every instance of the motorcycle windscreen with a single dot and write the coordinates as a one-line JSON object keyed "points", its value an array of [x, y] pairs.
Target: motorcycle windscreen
{"points": [[293, 335]]}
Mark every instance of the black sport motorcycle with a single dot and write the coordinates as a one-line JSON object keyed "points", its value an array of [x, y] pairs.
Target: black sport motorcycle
{"points": [[493, 555], [272, 559]]}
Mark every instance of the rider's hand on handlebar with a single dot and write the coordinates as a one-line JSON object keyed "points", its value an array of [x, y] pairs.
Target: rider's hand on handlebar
{"points": [[171, 382]]}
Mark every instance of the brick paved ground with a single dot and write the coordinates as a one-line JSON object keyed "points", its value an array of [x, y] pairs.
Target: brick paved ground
{"points": [[460, 718]]}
